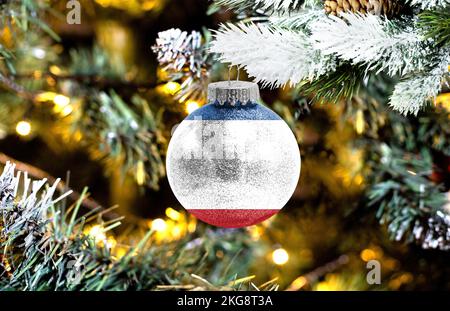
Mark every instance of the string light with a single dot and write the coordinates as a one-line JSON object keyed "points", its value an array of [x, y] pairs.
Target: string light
{"points": [[443, 100], [140, 173], [159, 225], [133, 6], [119, 252], [298, 283], [110, 242], [255, 232], [360, 123], [37, 74], [66, 111], [39, 53], [191, 106], [45, 96], [280, 256], [176, 232], [374, 252], [97, 233], [61, 100], [23, 128], [192, 225], [171, 88], [55, 70], [367, 254], [173, 214]]}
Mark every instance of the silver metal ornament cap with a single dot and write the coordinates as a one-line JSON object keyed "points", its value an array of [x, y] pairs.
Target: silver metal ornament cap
{"points": [[233, 93]]}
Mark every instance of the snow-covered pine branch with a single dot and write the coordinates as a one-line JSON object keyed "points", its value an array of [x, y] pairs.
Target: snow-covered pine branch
{"points": [[18, 210], [429, 4], [273, 56], [374, 41], [411, 94], [263, 5], [302, 19]]}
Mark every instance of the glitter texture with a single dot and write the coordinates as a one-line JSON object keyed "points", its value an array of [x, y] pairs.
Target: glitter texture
{"points": [[233, 173]]}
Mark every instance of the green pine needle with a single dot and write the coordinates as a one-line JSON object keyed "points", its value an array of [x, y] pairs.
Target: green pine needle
{"points": [[341, 84], [436, 25]]}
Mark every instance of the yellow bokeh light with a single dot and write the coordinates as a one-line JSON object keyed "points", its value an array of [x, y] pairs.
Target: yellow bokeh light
{"points": [[192, 225], [149, 5], [176, 232], [23, 128], [368, 254], [171, 88], [97, 233], [280, 256], [360, 123], [66, 111], [159, 225], [110, 242], [37, 74], [173, 214], [443, 100], [324, 287], [120, 251], [256, 232], [298, 283], [133, 6], [61, 100], [55, 70], [45, 96], [140, 173], [191, 106]]}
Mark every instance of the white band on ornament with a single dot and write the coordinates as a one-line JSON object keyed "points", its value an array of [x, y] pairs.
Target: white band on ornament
{"points": [[231, 93]]}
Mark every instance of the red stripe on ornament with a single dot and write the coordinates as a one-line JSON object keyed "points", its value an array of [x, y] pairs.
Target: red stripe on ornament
{"points": [[233, 218]]}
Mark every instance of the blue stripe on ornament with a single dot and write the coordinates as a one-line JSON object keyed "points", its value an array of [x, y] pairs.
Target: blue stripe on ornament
{"points": [[240, 112]]}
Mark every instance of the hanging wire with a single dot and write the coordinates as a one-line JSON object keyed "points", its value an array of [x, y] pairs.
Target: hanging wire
{"points": [[230, 67]]}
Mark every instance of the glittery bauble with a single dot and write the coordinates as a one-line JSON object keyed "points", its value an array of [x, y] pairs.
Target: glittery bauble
{"points": [[233, 163]]}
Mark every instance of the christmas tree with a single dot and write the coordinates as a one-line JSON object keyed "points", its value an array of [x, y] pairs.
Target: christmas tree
{"points": [[90, 93]]}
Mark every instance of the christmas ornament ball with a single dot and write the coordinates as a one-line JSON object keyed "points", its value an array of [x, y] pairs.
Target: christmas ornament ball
{"points": [[233, 162]]}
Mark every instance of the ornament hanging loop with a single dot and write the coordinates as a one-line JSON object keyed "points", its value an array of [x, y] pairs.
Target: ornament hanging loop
{"points": [[230, 67]]}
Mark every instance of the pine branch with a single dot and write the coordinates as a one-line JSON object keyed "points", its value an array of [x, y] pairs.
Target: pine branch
{"points": [[18, 89], [19, 17], [124, 135], [434, 130], [37, 173], [274, 56], [43, 246], [341, 84], [412, 93], [409, 203], [373, 41], [436, 25], [261, 5], [184, 57], [429, 4], [319, 272], [301, 20]]}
